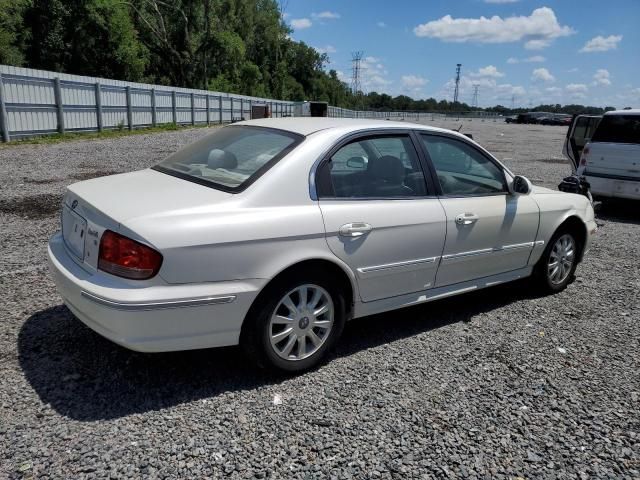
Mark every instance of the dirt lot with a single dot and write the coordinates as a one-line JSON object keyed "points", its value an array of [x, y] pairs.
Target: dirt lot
{"points": [[495, 384]]}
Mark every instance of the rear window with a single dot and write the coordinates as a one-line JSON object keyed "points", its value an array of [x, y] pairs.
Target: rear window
{"points": [[618, 129], [231, 158]]}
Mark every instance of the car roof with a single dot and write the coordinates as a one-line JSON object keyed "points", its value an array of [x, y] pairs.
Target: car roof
{"points": [[633, 111], [309, 125]]}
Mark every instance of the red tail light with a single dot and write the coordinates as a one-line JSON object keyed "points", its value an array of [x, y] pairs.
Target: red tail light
{"points": [[583, 158], [127, 258]]}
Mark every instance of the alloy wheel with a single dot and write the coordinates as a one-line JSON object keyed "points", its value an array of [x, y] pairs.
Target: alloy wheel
{"points": [[301, 322], [561, 259]]}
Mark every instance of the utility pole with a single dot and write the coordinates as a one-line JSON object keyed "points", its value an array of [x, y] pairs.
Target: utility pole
{"points": [[356, 86], [513, 101], [474, 102], [456, 91]]}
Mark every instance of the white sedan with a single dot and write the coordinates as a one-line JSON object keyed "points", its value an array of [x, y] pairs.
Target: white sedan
{"points": [[272, 233]]}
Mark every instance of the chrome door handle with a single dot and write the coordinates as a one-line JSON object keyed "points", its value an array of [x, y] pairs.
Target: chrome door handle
{"points": [[355, 229], [466, 218]]}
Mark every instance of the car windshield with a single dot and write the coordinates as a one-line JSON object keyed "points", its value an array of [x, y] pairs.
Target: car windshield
{"points": [[231, 158]]}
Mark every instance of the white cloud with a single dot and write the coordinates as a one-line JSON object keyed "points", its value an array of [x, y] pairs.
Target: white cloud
{"points": [[553, 90], [301, 23], [506, 90], [376, 82], [576, 88], [537, 44], [601, 44], [413, 81], [326, 15], [542, 74], [601, 77], [576, 91], [326, 49], [488, 71], [374, 75], [490, 92], [381, 24], [537, 29], [533, 59]]}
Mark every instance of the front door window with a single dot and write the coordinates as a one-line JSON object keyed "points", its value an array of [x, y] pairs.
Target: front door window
{"points": [[461, 169]]}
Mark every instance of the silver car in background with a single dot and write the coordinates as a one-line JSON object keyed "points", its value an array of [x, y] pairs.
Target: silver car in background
{"points": [[272, 233]]}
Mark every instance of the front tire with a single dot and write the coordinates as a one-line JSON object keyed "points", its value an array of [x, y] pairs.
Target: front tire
{"points": [[557, 266], [294, 323]]}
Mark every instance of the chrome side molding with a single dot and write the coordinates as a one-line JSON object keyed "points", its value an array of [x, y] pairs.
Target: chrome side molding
{"points": [[134, 306], [485, 251], [375, 268]]}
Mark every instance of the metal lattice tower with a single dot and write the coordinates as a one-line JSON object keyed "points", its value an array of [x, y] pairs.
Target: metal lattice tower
{"points": [[456, 91], [356, 58], [474, 102]]}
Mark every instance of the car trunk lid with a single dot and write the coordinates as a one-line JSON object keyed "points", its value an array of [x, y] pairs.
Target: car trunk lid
{"points": [[143, 193], [119, 202]]}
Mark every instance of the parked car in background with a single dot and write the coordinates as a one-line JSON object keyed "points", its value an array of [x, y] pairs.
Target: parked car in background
{"points": [[560, 119], [511, 119], [532, 117], [272, 233], [610, 157]]}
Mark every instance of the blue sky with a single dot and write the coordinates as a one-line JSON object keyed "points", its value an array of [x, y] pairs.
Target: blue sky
{"points": [[528, 51]]}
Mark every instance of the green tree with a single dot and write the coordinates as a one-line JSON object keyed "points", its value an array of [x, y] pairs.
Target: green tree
{"points": [[13, 35], [85, 37]]}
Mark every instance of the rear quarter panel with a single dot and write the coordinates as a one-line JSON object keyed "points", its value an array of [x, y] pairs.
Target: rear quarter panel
{"points": [[270, 226]]}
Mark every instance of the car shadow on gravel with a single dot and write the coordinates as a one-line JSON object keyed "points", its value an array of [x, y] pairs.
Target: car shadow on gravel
{"points": [[619, 211], [86, 377]]}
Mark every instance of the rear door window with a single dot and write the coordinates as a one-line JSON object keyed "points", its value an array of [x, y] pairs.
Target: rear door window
{"points": [[618, 129], [374, 167]]}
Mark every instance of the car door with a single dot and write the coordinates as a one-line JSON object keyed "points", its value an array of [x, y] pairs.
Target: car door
{"points": [[489, 230], [380, 215], [579, 133]]}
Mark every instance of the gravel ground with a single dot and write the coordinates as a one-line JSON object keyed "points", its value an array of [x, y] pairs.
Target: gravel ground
{"points": [[495, 384]]}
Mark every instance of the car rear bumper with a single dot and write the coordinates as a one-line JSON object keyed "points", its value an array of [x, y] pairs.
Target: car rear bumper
{"points": [[156, 318], [614, 187]]}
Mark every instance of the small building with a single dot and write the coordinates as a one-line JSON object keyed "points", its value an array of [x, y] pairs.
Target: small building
{"points": [[260, 111], [311, 109]]}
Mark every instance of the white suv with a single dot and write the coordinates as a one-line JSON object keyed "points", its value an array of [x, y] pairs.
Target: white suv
{"points": [[610, 159]]}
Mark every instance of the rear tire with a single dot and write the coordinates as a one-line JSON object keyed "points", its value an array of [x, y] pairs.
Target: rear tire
{"points": [[557, 266], [294, 322]]}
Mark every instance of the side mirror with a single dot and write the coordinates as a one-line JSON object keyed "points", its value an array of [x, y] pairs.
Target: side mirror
{"points": [[521, 185], [356, 163]]}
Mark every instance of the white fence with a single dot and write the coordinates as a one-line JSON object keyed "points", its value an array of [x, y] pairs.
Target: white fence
{"points": [[38, 102]]}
